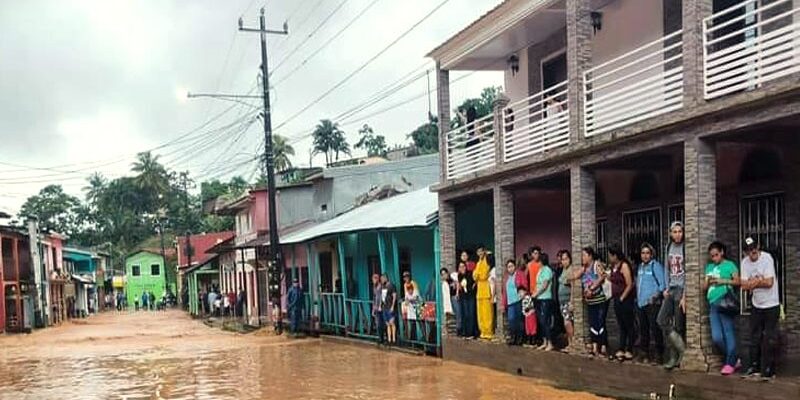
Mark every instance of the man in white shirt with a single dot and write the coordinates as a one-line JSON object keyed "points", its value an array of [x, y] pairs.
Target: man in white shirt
{"points": [[758, 276]]}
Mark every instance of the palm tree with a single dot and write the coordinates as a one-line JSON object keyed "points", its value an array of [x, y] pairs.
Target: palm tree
{"points": [[281, 150], [340, 144], [96, 184], [323, 139], [152, 175]]}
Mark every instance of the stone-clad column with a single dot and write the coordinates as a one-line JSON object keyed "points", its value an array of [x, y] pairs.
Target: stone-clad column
{"points": [[579, 58], [447, 235], [503, 245], [700, 203], [443, 109], [584, 226], [693, 13], [499, 108]]}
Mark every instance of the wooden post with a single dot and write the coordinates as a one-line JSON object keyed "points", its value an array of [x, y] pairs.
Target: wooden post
{"points": [[440, 317], [400, 290]]}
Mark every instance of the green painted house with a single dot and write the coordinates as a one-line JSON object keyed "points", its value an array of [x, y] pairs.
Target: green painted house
{"points": [[144, 270]]}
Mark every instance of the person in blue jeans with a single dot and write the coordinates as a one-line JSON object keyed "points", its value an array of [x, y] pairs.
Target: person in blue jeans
{"points": [[721, 277], [513, 304], [650, 287], [544, 296], [294, 300]]}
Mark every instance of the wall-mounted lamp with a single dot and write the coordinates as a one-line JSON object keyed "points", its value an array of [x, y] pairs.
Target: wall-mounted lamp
{"points": [[513, 63], [597, 21]]}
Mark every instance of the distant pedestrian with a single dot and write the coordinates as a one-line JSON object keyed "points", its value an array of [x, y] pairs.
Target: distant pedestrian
{"points": [[294, 300], [388, 307], [152, 300], [377, 311]]}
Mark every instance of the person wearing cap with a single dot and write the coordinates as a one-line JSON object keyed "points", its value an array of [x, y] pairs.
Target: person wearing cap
{"points": [[294, 300], [758, 276], [672, 315], [650, 286]]}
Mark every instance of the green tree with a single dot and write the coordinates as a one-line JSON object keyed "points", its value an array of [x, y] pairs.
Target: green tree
{"points": [[96, 183], [152, 178], [484, 105], [281, 150], [55, 210], [375, 145], [330, 141], [426, 136]]}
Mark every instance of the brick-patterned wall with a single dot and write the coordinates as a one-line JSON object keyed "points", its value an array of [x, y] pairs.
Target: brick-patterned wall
{"points": [[443, 109], [503, 244], [582, 197], [579, 57]]}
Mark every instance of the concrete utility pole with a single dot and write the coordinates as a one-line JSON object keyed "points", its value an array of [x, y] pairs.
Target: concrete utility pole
{"points": [[276, 261]]}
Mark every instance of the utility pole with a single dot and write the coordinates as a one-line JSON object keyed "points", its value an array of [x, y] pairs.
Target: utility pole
{"points": [[276, 261], [185, 184]]}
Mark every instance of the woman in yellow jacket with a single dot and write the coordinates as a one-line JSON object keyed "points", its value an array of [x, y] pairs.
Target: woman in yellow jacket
{"points": [[484, 294]]}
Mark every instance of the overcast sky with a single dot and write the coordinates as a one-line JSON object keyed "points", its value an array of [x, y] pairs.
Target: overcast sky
{"points": [[85, 85]]}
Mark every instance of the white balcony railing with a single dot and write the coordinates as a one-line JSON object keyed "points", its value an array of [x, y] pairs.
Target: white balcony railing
{"points": [[470, 148], [637, 85], [749, 44], [536, 124]]}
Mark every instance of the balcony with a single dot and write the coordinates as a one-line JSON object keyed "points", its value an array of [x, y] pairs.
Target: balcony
{"points": [[640, 84], [471, 148], [536, 124], [747, 45]]}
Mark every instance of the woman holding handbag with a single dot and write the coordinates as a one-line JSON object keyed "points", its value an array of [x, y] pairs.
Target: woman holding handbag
{"points": [[721, 278]]}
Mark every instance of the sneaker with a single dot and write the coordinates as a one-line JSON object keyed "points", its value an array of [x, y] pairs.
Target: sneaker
{"points": [[727, 370], [549, 347], [768, 375], [752, 372]]}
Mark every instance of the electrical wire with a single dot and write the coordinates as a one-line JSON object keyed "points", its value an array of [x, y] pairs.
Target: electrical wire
{"points": [[362, 66]]}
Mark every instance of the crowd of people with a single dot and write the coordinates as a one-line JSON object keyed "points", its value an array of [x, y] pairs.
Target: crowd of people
{"points": [[649, 301], [214, 303]]}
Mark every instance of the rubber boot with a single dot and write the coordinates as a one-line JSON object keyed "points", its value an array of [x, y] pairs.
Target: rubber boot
{"points": [[676, 350]]}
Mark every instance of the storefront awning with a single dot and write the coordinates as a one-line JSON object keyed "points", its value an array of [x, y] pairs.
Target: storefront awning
{"points": [[83, 279]]}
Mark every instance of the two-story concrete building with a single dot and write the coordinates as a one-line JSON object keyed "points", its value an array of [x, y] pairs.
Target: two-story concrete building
{"points": [[620, 116]]}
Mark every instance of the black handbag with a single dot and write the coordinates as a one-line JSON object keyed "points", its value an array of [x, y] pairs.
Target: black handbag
{"points": [[729, 304]]}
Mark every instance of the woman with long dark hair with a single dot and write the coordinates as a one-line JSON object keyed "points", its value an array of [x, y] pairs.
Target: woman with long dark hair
{"points": [[622, 290], [544, 298], [592, 279], [512, 303], [720, 278]]}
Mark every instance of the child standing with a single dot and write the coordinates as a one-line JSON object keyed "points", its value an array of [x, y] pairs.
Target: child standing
{"points": [[529, 311]]}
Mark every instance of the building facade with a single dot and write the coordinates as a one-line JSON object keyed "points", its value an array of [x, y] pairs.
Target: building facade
{"points": [[144, 271], [619, 117]]}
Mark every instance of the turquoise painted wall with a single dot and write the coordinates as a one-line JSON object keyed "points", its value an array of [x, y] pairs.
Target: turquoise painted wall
{"points": [[423, 266], [474, 226], [135, 285]]}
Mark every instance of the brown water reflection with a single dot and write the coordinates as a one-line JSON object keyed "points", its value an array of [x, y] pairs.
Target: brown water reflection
{"points": [[166, 355]]}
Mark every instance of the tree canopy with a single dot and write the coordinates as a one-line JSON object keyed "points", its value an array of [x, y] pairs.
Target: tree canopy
{"points": [[375, 145]]}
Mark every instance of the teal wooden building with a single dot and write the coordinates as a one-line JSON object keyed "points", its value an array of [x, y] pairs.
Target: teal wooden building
{"points": [[144, 271], [391, 236]]}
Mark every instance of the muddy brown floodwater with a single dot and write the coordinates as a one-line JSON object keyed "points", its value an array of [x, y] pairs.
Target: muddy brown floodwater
{"points": [[166, 355]]}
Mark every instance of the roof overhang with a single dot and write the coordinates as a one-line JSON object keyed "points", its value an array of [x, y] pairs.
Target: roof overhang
{"points": [[512, 26]]}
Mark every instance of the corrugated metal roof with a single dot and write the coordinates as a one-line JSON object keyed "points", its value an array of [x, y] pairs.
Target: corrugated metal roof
{"points": [[407, 210]]}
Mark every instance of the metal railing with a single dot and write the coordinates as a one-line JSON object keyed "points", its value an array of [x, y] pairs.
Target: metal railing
{"points": [[470, 148], [748, 44], [418, 325], [536, 124], [360, 320], [635, 86], [331, 311]]}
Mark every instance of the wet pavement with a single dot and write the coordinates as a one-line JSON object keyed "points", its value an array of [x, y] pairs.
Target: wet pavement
{"points": [[166, 355]]}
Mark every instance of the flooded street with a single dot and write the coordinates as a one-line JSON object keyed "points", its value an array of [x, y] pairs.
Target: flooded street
{"points": [[167, 355]]}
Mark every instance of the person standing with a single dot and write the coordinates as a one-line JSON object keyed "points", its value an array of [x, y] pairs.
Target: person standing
{"points": [[448, 292], [622, 292], [152, 300], [672, 315], [294, 300], [512, 304], [720, 278], [377, 312], [145, 300], [484, 294], [650, 287], [758, 276], [388, 307], [466, 297], [592, 280], [565, 278], [544, 302], [465, 258]]}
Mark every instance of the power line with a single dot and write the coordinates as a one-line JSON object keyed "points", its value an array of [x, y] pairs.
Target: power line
{"points": [[309, 36], [364, 65], [301, 24], [329, 41]]}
